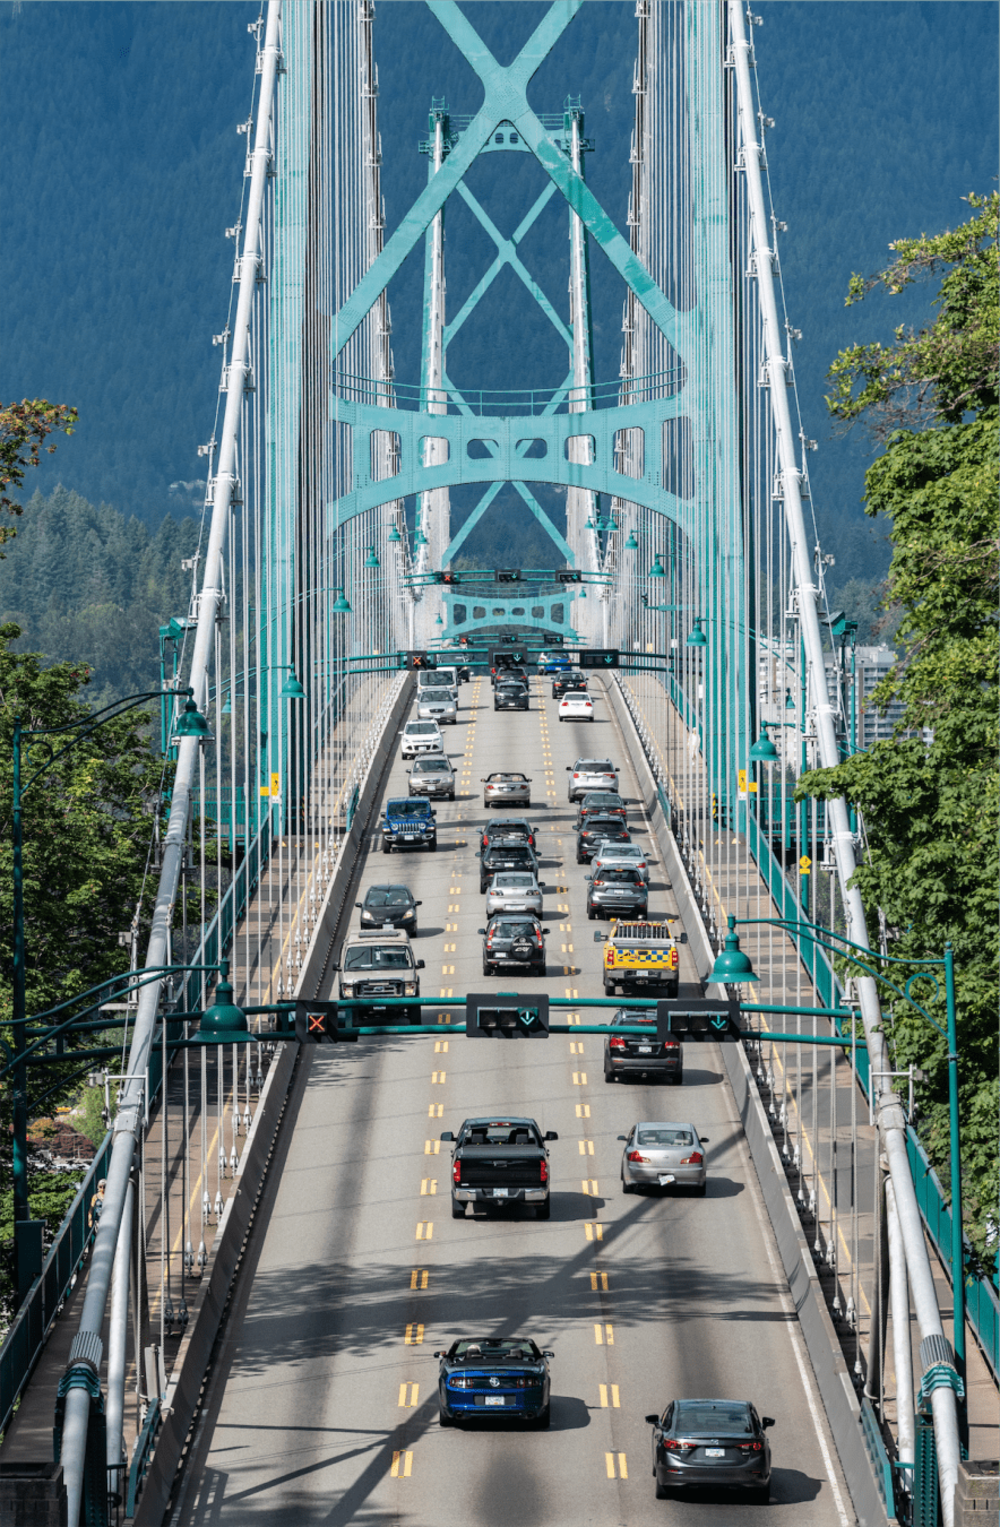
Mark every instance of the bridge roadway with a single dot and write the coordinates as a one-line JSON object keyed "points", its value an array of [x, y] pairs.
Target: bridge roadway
{"points": [[321, 1407]]}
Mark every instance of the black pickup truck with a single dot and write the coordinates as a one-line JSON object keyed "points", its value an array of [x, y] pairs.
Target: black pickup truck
{"points": [[500, 1162]]}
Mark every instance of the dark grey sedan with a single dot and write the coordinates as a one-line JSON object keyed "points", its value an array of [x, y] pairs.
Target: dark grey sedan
{"points": [[711, 1442]]}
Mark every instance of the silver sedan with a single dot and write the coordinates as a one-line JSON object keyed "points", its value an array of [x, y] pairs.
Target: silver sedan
{"points": [[437, 705], [505, 789], [514, 891], [622, 856], [664, 1156]]}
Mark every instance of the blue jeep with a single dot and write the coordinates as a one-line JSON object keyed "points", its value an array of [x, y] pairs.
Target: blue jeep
{"points": [[409, 823]]}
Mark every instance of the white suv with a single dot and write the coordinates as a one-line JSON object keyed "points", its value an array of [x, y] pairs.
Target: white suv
{"points": [[421, 737], [591, 774]]}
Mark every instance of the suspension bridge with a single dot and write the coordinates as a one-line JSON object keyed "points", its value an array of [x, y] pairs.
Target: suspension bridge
{"points": [[250, 1331]]}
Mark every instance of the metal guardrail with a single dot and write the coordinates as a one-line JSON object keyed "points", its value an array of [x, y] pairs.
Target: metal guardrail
{"points": [[141, 1455], [27, 1335], [880, 1461]]}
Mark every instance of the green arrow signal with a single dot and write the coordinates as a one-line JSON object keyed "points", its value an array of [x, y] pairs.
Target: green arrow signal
{"points": [[608, 658], [719, 1023]]}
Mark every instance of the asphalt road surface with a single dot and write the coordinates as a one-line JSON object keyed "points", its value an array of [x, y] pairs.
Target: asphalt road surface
{"points": [[322, 1405]]}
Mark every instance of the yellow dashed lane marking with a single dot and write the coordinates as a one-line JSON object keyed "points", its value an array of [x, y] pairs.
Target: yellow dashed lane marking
{"points": [[425, 1230], [599, 1282], [615, 1403], [590, 1187], [419, 1277], [609, 1464], [576, 1047], [428, 1187], [579, 1078], [402, 1465], [435, 1111], [586, 1147], [409, 1395], [593, 1231], [440, 1046], [437, 1077], [432, 1147], [583, 1110], [414, 1336]]}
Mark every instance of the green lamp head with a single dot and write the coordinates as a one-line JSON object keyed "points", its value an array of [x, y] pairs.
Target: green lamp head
{"points": [[292, 689], [789, 702], [224, 1022], [371, 560], [657, 570], [438, 621], [191, 723], [764, 750], [632, 544], [696, 637], [227, 709], [394, 536], [340, 605], [419, 539], [590, 523], [732, 967]]}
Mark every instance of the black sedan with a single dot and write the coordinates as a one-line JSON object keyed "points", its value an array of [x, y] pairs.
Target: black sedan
{"points": [[604, 803], [513, 942], [572, 679], [508, 671], [510, 694], [505, 856], [389, 906], [711, 1442], [641, 1054], [598, 830], [508, 830], [494, 1377]]}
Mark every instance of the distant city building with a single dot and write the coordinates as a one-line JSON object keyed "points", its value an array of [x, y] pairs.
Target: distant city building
{"points": [[871, 665]]}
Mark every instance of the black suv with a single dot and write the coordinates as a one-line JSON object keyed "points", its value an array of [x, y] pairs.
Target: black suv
{"points": [[571, 679], [504, 856], [613, 890], [510, 694], [601, 803], [508, 671], [641, 1054], [509, 830], [598, 830], [513, 941]]}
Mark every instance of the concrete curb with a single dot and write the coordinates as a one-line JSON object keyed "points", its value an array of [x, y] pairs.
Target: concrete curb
{"points": [[842, 1407], [193, 1356], [317, 956]]}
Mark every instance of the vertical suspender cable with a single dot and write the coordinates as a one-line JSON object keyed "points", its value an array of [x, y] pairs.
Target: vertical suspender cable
{"points": [[890, 1117], [87, 1345]]}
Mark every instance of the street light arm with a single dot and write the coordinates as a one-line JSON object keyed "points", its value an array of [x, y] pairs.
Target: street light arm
{"points": [[91, 724]]}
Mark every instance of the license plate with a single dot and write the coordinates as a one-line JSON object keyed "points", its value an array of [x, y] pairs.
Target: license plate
{"points": [[500, 1192], [666, 1179], [493, 1399], [645, 1049], [409, 837], [715, 1452]]}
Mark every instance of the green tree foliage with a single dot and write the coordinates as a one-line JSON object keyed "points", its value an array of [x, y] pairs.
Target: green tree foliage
{"points": [[929, 796], [24, 428], [89, 585]]}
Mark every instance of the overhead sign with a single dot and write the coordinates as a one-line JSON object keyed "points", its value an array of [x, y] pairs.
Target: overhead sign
{"points": [[698, 1019], [506, 1015], [421, 660], [598, 657]]}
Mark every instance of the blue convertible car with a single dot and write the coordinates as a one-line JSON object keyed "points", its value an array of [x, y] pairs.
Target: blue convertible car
{"points": [[491, 1376]]}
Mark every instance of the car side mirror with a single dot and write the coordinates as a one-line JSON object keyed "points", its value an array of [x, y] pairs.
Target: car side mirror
{"points": [[588, 878], [447, 1135], [545, 932], [418, 903], [683, 939], [437, 1354], [482, 931], [766, 1421], [550, 1134], [420, 964], [705, 1140], [357, 903], [653, 1420], [547, 1353], [599, 938], [334, 965], [622, 1137]]}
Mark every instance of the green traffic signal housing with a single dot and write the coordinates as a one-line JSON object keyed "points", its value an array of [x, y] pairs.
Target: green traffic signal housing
{"points": [[732, 967]]}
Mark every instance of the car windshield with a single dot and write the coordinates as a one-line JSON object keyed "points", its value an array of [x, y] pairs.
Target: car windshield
{"points": [[620, 877], [510, 882], [388, 896], [515, 853], [596, 826], [594, 766], [519, 777], [661, 1136], [422, 729], [511, 928], [712, 1416], [500, 1132], [407, 809], [431, 766], [623, 1016], [624, 851], [493, 1348], [378, 957], [439, 696]]}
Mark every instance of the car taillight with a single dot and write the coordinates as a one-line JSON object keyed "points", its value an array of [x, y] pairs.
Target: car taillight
{"points": [[673, 1446], [616, 1042], [456, 1171], [597, 883], [459, 1383], [673, 959], [544, 1170], [576, 776], [751, 1447], [489, 941], [671, 1044], [637, 1156], [695, 1159]]}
